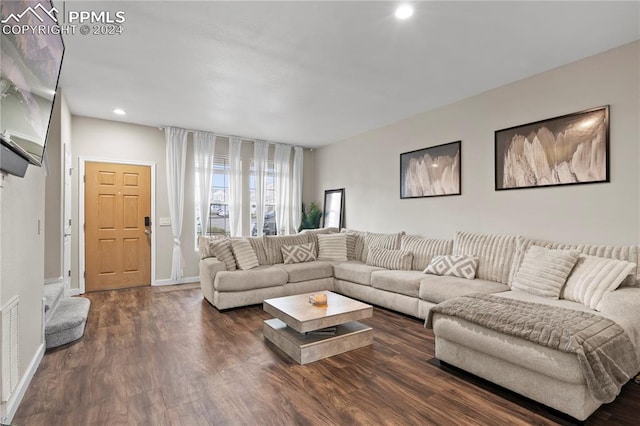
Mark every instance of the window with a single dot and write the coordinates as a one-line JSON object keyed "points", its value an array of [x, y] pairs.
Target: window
{"points": [[269, 224], [218, 221]]}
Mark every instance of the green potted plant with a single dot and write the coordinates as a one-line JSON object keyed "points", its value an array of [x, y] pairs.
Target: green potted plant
{"points": [[311, 219]]}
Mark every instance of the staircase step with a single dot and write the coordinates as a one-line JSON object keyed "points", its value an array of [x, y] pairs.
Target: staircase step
{"points": [[52, 295], [67, 322]]}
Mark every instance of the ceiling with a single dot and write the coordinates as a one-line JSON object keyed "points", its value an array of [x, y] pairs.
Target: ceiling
{"points": [[315, 72]]}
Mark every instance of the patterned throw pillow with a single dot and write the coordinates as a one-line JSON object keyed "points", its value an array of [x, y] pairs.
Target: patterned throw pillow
{"points": [[221, 249], [332, 247], [398, 260], [454, 265], [245, 256], [299, 253], [594, 277], [543, 271]]}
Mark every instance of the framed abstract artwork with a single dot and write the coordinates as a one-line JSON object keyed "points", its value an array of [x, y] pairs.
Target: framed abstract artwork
{"points": [[431, 172], [566, 150]]}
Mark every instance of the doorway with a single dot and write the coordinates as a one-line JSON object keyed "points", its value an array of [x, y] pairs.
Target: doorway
{"points": [[117, 225]]}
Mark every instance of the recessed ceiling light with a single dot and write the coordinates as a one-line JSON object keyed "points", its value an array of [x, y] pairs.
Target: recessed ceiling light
{"points": [[119, 111], [404, 11]]}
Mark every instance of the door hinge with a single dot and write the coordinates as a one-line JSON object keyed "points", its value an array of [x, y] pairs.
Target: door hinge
{"points": [[69, 274], [84, 274], [84, 178], [69, 222], [70, 171]]}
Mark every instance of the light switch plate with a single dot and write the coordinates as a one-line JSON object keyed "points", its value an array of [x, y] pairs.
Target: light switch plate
{"points": [[165, 221]]}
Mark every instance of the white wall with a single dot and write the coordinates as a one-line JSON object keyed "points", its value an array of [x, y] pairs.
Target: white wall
{"points": [[368, 165], [53, 197], [115, 141], [22, 261]]}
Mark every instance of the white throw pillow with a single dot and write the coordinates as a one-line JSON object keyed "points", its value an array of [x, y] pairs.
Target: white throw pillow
{"points": [[593, 277], [299, 253], [453, 265], [544, 271], [332, 247], [245, 256]]}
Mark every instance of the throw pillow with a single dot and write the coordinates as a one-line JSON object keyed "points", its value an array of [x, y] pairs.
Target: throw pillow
{"points": [[332, 247], [245, 256], [221, 249], [203, 247], [300, 253], [593, 277], [544, 271], [453, 265], [399, 260]]}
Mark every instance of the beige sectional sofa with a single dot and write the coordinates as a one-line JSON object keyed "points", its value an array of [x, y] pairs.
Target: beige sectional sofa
{"points": [[546, 375]]}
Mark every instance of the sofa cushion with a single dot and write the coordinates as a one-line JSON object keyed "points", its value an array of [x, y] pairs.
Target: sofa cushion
{"points": [[313, 234], [221, 249], [628, 253], [306, 271], [332, 247], [260, 277], [461, 266], [355, 244], [593, 277], [356, 272], [274, 243], [300, 253], [436, 289], [495, 253], [258, 247], [424, 249], [398, 260], [386, 241], [403, 282], [544, 271], [243, 252]]}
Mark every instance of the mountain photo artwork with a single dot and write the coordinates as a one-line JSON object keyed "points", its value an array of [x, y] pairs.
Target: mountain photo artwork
{"points": [[431, 172], [566, 150]]}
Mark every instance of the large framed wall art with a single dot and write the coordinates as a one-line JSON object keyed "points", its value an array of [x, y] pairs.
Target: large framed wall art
{"points": [[431, 172], [566, 150]]}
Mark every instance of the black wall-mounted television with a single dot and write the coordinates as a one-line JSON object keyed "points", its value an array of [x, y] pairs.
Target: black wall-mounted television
{"points": [[30, 63]]}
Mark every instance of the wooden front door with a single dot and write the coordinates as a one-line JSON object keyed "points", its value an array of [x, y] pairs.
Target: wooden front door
{"points": [[117, 242]]}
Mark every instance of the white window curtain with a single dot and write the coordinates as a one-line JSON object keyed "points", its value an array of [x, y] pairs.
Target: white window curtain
{"points": [[296, 188], [282, 189], [260, 154], [176, 150], [235, 187], [204, 146]]}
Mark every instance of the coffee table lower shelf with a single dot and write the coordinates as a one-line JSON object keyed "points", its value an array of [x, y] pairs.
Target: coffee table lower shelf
{"points": [[306, 348]]}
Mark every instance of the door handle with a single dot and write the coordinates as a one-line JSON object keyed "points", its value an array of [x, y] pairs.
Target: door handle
{"points": [[147, 232]]}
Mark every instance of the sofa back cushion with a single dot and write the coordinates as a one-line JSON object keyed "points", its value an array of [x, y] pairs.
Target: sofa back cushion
{"points": [[385, 241], [424, 249], [495, 253], [258, 247], [332, 247], [313, 234], [398, 260], [273, 245], [627, 253], [355, 244]]}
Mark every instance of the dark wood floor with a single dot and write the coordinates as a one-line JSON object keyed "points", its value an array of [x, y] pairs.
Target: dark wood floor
{"points": [[159, 357]]}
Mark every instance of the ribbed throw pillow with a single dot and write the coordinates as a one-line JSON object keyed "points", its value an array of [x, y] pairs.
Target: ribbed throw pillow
{"points": [[221, 249], [332, 247], [543, 271], [299, 253], [454, 266], [593, 277], [399, 260], [244, 254]]}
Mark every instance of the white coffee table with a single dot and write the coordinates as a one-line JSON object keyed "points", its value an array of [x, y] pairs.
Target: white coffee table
{"points": [[296, 320]]}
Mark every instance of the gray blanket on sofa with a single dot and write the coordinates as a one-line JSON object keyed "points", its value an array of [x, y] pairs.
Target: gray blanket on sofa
{"points": [[605, 352]]}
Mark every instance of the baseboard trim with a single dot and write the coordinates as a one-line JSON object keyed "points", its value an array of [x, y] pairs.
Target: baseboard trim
{"points": [[53, 280], [185, 280], [8, 409], [74, 292]]}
